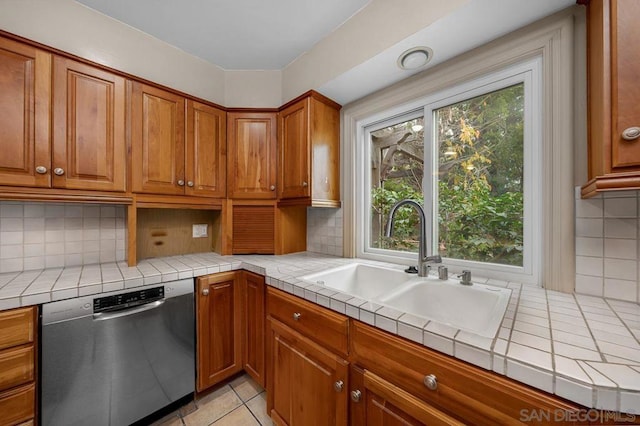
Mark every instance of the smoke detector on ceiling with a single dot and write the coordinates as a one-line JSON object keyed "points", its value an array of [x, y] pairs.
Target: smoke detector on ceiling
{"points": [[415, 58]]}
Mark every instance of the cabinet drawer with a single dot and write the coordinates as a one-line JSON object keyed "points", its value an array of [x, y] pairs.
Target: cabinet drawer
{"points": [[324, 326], [16, 327], [463, 391], [17, 405], [16, 366]]}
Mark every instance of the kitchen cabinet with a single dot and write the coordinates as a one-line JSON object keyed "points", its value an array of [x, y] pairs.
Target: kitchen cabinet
{"points": [[219, 307], [254, 312], [166, 159], [446, 387], [157, 140], [89, 146], [374, 401], [18, 355], [251, 148], [206, 151], [613, 64], [309, 151], [307, 373], [25, 103]]}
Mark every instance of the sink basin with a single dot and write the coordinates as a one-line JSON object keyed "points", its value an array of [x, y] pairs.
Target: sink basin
{"points": [[478, 308], [361, 280]]}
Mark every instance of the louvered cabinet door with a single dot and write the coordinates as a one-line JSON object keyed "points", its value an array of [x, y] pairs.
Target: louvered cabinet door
{"points": [[89, 146], [25, 102]]}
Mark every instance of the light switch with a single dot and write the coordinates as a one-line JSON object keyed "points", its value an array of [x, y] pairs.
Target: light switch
{"points": [[200, 230]]}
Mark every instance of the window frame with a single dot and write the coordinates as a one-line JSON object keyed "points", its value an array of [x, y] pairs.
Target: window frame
{"points": [[529, 72]]}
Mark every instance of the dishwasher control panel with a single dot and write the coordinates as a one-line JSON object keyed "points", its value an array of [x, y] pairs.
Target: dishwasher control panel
{"points": [[127, 300]]}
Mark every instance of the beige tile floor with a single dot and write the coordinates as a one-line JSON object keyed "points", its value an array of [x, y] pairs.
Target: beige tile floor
{"points": [[242, 402]]}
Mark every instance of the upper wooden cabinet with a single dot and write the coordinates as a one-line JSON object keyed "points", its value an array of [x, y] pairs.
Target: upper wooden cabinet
{"points": [[89, 146], [157, 140], [166, 159], [613, 65], [206, 154], [25, 103], [309, 150], [251, 146]]}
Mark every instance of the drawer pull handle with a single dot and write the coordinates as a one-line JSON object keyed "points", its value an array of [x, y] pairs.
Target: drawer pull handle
{"points": [[205, 291], [338, 386], [356, 395], [41, 170], [296, 316], [190, 184], [431, 382], [272, 187], [305, 184], [58, 171], [631, 133], [180, 182]]}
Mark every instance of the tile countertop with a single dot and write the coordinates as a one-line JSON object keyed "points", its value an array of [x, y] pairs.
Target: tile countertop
{"points": [[583, 348]]}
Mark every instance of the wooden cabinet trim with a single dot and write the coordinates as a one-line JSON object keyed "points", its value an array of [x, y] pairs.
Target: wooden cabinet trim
{"points": [[254, 326]]}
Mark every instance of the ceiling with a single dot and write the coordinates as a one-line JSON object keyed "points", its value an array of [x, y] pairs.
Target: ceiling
{"points": [[235, 34]]}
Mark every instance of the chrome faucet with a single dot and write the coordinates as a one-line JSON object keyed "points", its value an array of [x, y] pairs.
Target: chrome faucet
{"points": [[423, 259]]}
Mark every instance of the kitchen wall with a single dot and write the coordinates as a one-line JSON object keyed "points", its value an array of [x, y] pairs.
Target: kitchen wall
{"points": [[608, 244], [39, 235], [324, 231]]}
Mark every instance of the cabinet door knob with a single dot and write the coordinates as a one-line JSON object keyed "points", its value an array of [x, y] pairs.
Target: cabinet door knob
{"points": [[205, 291], [296, 316], [338, 386], [58, 171], [190, 184], [631, 134], [272, 187], [41, 170], [356, 395], [305, 184], [431, 382], [180, 182]]}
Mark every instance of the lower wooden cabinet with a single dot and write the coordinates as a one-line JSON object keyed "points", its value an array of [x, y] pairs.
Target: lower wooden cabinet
{"points": [[254, 319], [219, 328], [307, 378], [18, 354], [375, 401]]}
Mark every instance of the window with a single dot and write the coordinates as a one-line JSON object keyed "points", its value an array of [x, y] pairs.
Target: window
{"points": [[470, 155]]}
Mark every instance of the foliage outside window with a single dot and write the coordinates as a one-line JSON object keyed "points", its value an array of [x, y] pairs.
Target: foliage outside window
{"points": [[479, 203]]}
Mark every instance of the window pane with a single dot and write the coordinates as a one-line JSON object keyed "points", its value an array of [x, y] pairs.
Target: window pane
{"points": [[397, 167], [480, 177]]}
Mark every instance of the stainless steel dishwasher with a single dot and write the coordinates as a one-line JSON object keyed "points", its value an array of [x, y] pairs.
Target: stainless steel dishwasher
{"points": [[115, 358]]}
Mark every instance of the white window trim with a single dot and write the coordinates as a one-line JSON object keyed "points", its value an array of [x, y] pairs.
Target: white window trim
{"points": [[527, 72], [552, 39]]}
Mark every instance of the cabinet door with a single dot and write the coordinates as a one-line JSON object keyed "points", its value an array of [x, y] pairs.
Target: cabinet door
{"points": [[219, 322], [254, 300], [251, 146], [625, 66], [293, 146], [157, 140], [89, 148], [374, 401], [25, 102], [206, 150], [307, 384]]}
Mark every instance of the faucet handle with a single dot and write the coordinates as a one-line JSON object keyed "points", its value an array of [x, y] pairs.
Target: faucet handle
{"points": [[411, 270], [443, 272], [465, 277]]}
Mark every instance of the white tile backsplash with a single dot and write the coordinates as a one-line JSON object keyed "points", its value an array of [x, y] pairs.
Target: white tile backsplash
{"points": [[608, 266], [38, 235], [324, 231]]}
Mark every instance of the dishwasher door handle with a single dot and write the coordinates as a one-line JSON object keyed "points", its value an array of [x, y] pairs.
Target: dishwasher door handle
{"points": [[103, 316]]}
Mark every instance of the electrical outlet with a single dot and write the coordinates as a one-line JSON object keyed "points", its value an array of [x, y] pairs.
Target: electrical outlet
{"points": [[200, 230]]}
